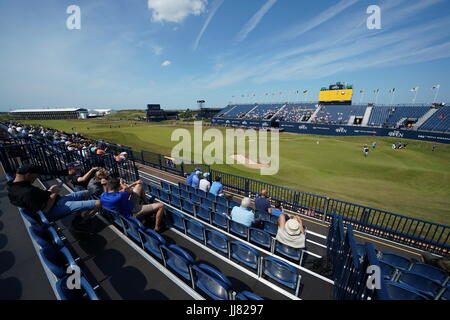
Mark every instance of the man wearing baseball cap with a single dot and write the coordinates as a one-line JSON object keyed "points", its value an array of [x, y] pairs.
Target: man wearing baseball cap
{"points": [[291, 232], [204, 183], [22, 193], [196, 179], [189, 178]]}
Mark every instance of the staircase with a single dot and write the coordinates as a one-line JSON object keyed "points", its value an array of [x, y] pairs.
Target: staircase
{"points": [[367, 116], [313, 116], [351, 120], [424, 118]]}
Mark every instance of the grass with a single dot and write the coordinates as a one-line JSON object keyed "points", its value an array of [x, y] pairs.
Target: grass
{"points": [[414, 182]]}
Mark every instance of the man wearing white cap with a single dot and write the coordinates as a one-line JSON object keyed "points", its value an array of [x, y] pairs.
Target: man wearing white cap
{"points": [[196, 179], [291, 232], [204, 183]]}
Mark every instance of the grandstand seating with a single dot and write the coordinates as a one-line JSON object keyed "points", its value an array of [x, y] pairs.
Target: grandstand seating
{"points": [[295, 112], [263, 112], [439, 121], [238, 111], [338, 114]]}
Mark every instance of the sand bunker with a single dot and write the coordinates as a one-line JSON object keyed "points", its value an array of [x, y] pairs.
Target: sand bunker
{"points": [[249, 163]]}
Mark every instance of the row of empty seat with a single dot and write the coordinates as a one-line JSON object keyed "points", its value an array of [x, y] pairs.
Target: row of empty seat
{"points": [[57, 258], [202, 276], [423, 281]]}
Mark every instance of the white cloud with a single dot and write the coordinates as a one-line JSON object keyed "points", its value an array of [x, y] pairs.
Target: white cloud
{"points": [[166, 63], [175, 10], [254, 21], [216, 5], [157, 50]]}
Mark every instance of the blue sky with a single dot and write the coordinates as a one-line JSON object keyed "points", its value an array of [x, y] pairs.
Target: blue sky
{"points": [[173, 52]]}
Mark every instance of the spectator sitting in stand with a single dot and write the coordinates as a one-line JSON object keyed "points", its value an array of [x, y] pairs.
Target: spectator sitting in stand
{"points": [[23, 194], [121, 157], [277, 211], [127, 201], [291, 232], [80, 182], [204, 183], [95, 186], [191, 175], [196, 179], [217, 187], [262, 204], [243, 214]]}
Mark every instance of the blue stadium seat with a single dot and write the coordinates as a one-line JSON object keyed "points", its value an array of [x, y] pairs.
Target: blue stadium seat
{"points": [[220, 208], [46, 237], [430, 272], [178, 260], [175, 200], [446, 294], [195, 229], [164, 196], [222, 200], [57, 260], [30, 216], [271, 228], [238, 229], [154, 191], [397, 291], [387, 271], [247, 295], [244, 254], [395, 260], [260, 238], [212, 282], [289, 252], [282, 273], [195, 198], [185, 195], [152, 241], [425, 286], [217, 240], [43, 218], [174, 189], [204, 213], [115, 217], [182, 186], [211, 197], [220, 220], [188, 206], [86, 292], [202, 194], [264, 216], [176, 219], [165, 186], [207, 203], [132, 226]]}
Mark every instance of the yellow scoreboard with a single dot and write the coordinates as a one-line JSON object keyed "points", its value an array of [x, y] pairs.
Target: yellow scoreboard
{"points": [[340, 95]]}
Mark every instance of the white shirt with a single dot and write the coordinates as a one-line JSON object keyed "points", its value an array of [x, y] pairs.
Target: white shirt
{"points": [[204, 185]]}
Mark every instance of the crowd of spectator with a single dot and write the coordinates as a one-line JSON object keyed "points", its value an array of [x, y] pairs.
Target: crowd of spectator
{"points": [[94, 189]]}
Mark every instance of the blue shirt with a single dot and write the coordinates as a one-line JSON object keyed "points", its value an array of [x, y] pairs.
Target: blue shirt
{"points": [[118, 202], [276, 212], [189, 179], [195, 181], [262, 204], [216, 188], [243, 216]]}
